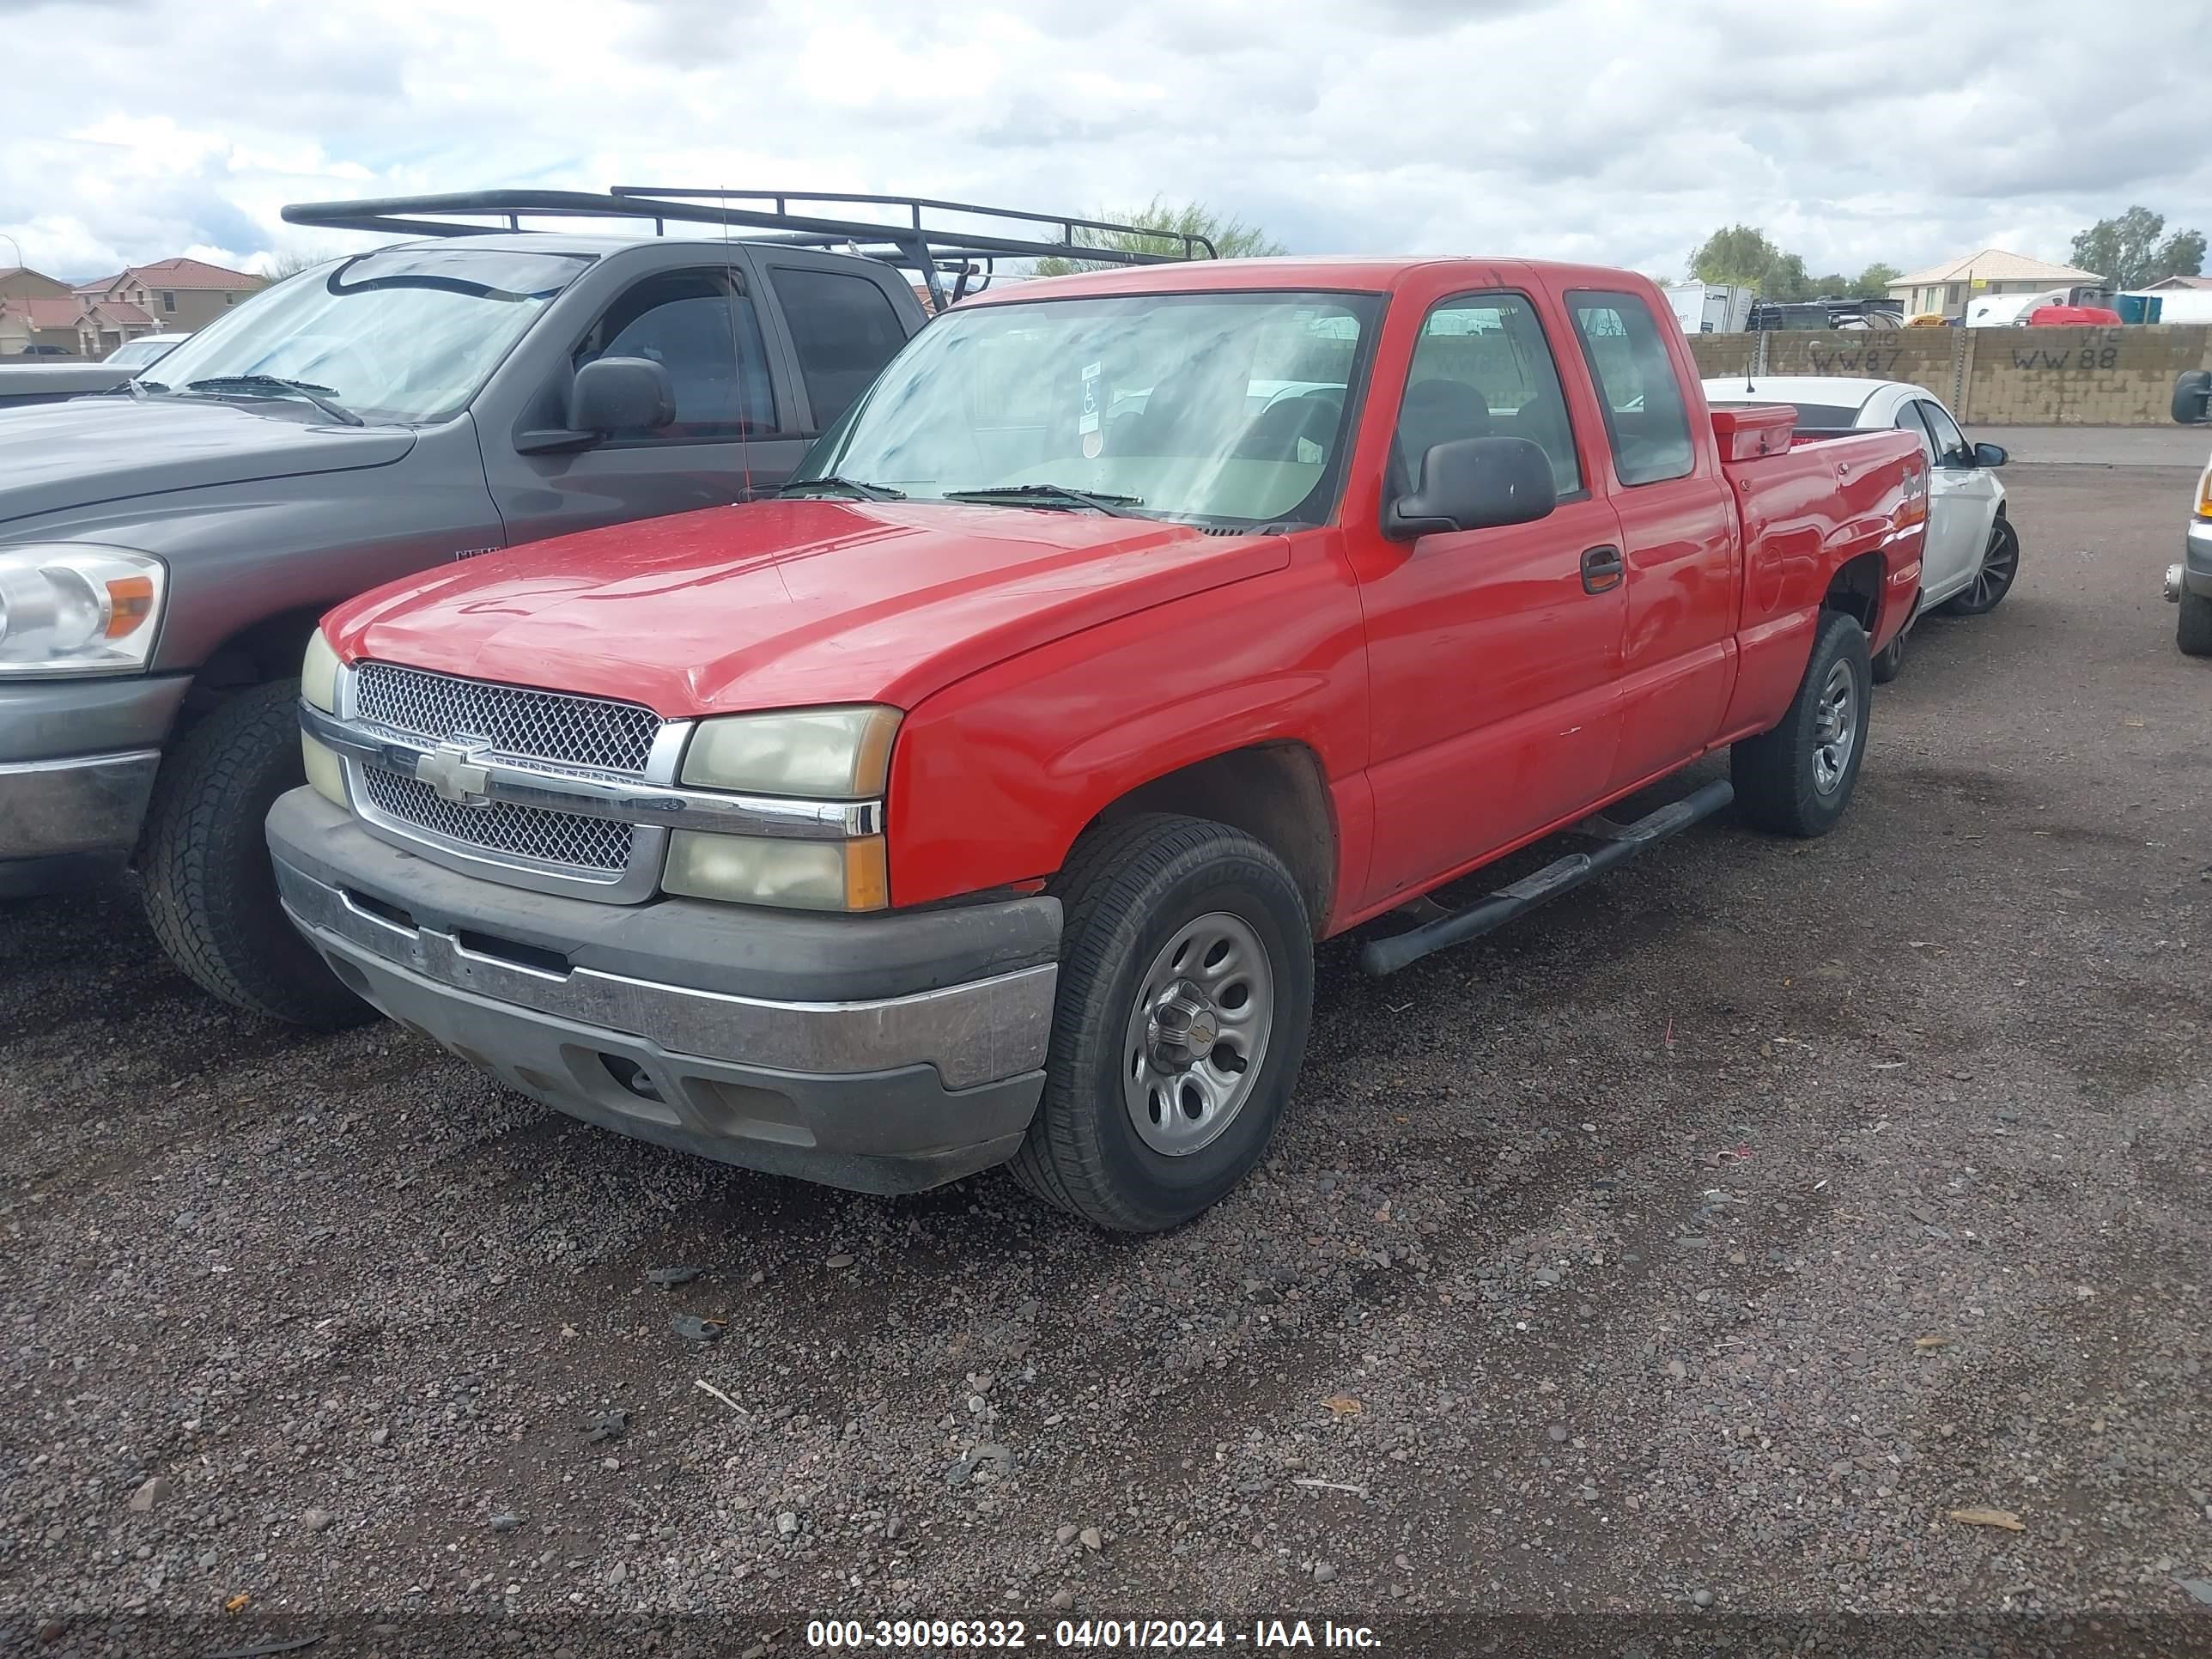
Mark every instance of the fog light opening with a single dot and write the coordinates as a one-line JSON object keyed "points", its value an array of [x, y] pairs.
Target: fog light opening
{"points": [[632, 1077]]}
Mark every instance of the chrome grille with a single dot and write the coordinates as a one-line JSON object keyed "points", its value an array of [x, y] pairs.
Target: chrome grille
{"points": [[503, 828], [546, 725]]}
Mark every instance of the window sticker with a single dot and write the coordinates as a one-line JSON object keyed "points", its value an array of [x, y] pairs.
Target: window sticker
{"points": [[1089, 423]]}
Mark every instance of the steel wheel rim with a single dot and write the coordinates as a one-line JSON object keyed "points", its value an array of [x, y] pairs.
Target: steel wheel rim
{"points": [[1835, 728], [1197, 1033], [2000, 563]]}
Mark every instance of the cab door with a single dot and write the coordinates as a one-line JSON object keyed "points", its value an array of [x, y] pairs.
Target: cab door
{"points": [[1678, 535], [737, 431], [1493, 655], [1962, 504]]}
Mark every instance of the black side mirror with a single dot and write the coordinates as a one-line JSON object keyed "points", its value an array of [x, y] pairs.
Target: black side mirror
{"points": [[1989, 455], [621, 394], [2192, 398], [1475, 483]]}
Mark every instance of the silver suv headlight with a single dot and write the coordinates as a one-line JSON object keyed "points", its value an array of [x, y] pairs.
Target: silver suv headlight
{"points": [[70, 608]]}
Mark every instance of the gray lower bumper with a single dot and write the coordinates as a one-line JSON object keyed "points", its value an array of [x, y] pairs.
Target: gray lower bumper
{"points": [[77, 759], [57, 816], [2194, 572], [879, 1093]]}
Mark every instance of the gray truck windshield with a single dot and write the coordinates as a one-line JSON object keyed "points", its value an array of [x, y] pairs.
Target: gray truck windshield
{"points": [[403, 335], [1215, 407]]}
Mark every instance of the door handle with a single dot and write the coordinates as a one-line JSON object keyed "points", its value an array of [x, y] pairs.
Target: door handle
{"points": [[1602, 569]]}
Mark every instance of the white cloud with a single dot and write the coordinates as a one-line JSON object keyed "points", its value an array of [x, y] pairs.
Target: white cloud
{"points": [[1594, 129]]}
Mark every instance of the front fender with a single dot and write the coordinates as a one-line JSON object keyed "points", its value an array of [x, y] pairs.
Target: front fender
{"points": [[994, 777]]}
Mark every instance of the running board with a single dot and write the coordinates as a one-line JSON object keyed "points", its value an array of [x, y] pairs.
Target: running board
{"points": [[1623, 841]]}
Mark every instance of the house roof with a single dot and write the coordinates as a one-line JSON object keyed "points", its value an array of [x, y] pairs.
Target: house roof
{"points": [[178, 273], [1994, 264], [46, 313], [2163, 282], [121, 313]]}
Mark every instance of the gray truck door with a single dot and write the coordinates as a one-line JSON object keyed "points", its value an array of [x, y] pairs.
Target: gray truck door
{"points": [[842, 319], [737, 430]]}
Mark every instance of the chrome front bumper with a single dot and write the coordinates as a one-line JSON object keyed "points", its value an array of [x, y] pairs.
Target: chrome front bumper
{"points": [[883, 1093]]}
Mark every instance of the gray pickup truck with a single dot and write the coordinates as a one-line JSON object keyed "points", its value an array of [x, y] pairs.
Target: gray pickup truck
{"points": [[166, 548]]}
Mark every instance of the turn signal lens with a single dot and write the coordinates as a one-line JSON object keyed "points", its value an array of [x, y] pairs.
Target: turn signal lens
{"points": [[130, 605], [797, 875], [2205, 494], [325, 771]]}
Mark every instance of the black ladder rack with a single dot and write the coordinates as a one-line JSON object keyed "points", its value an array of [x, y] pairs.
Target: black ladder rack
{"points": [[921, 243]]}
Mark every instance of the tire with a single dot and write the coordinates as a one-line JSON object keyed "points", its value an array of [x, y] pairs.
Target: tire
{"points": [[1886, 664], [1999, 568], [211, 890], [1135, 891], [1792, 780], [2192, 630]]}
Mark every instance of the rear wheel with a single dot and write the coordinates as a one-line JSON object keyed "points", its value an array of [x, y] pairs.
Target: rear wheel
{"points": [[210, 889], [1796, 778], [2192, 630], [1185, 990], [1888, 663], [1993, 581]]}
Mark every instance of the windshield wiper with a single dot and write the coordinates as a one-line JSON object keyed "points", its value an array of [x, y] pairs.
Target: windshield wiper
{"points": [[320, 396], [866, 492], [1051, 494]]}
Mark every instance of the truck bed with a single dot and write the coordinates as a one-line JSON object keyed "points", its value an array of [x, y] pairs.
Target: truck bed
{"points": [[1809, 501]]}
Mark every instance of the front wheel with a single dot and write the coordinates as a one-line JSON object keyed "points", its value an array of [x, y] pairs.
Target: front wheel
{"points": [[1186, 991], [1797, 778], [1993, 581], [210, 889]]}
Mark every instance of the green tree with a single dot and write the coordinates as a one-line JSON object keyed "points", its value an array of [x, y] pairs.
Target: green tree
{"points": [[1231, 237], [1735, 253], [1874, 282], [1743, 255], [2127, 253]]}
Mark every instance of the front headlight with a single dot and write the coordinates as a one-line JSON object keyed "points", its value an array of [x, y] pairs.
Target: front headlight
{"points": [[836, 754], [67, 608], [840, 754], [803, 875], [319, 674]]}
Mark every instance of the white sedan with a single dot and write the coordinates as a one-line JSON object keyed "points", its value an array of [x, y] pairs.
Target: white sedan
{"points": [[1972, 553]]}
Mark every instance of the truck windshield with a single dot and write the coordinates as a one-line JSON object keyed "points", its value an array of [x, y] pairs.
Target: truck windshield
{"points": [[1211, 408], [401, 335]]}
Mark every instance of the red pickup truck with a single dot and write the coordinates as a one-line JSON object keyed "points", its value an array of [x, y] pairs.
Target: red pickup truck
{"points": [[982, 799]]}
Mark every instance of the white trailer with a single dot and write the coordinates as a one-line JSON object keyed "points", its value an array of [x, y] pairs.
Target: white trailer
{"points": [[1710, 308]]}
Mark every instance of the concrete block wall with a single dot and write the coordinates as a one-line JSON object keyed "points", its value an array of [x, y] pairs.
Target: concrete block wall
{"points": [[1993, 376]]}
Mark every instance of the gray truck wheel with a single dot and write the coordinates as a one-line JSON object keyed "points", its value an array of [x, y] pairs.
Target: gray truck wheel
{"points": [[1796, 778], [211, 890], [2192, 629], [1185, 990]]}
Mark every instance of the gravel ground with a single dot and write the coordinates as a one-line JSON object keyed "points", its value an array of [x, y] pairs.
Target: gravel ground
{"points": [[1700, 1244]]}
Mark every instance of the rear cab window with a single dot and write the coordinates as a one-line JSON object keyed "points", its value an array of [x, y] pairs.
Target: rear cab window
{"points": [[1645, 421], [844, 328]]}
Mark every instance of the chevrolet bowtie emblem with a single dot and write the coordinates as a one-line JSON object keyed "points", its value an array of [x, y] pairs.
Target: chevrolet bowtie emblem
{"points": [[456, 772]]}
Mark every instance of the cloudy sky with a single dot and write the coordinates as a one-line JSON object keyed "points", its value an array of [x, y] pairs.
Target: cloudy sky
{"points": [[1616, 130]]}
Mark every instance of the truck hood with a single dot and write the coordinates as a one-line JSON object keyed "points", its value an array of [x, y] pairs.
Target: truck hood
{"points": [[784, 603], [55, 458]]}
